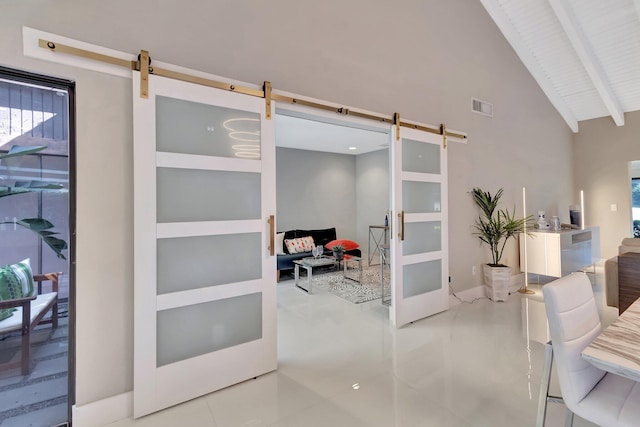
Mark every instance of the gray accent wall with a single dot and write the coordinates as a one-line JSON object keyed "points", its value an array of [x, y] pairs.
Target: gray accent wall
{"points": [[316, 190], [322, 190], [425, 60]]}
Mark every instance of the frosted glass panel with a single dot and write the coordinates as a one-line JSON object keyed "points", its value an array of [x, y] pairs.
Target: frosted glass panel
{"points": [[196, 262], [194, 330], [200, 195], [420, 197], [194, 128], [421, 278], [420, 157], [420, 237]]}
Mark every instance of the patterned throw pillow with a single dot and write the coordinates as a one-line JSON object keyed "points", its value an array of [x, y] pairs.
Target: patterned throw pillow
{"points": [[25, 275], [10, 288], [16, 281], [301, 244]]}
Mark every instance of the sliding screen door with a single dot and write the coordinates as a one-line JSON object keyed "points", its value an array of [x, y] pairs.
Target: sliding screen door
{"points": [[204, 189], [419, 286]]}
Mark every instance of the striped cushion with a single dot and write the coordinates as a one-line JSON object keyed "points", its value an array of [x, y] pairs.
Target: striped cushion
{"points": [[16, 281], [14, 323]]}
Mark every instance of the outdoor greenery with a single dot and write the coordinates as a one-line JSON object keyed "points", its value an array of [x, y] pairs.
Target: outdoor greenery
{"points": [[496, 226], [40, 226], [635, 204], [635, 192]]}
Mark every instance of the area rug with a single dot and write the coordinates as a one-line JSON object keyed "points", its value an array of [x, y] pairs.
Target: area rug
{"points": [[352, 291]]}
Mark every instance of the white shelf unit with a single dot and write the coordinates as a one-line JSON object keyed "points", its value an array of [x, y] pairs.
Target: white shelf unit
{"points": [[559, 253]]}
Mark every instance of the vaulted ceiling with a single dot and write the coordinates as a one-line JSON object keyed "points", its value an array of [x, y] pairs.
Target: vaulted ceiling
{"points": [[584, 54]]}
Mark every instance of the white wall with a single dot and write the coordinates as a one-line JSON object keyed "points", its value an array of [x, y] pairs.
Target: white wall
{"points": [[372, 192], [315, 190], [602, 152], [424, 59]]}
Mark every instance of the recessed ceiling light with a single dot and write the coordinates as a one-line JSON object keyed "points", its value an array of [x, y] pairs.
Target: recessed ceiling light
{"points": [[353, 148]]}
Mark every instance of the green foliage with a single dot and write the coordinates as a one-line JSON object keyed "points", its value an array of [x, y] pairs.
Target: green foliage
{"points": [[18, 150], [338, 248], [496, 226], [30, 187], [635, 192], [40, 226]]}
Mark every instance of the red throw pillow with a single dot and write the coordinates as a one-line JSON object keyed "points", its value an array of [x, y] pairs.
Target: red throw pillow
{"points": [[348, 245]]}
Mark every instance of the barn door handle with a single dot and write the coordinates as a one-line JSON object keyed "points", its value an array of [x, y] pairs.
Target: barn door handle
{"points": [[272, 235]]}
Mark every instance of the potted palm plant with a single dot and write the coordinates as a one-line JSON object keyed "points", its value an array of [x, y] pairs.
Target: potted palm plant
{"points": [[495, 227]]}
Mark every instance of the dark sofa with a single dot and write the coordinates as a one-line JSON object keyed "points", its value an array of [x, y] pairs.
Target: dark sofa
{"points": [[320, 237]]}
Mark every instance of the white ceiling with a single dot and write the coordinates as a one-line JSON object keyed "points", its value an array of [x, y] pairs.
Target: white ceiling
{"points": [[309, 134], [584, 54]]}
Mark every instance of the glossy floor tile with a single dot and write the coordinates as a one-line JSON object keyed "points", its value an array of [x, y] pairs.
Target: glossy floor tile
{"points": [[342, 365]]}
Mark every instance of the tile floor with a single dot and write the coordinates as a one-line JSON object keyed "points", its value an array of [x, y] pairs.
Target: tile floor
{"points": [[341, 365]]}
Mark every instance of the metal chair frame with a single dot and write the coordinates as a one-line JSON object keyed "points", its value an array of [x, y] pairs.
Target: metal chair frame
{"points": [[545, 397]]}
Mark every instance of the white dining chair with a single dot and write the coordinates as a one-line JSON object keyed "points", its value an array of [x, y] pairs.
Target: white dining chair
{"points": [[605, 399]]}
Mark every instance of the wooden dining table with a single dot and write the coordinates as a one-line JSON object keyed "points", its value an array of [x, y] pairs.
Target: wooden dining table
{"points": [[617, 348]]}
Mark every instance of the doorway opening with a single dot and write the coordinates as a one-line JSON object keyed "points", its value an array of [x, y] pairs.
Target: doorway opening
{"points": [[414, 186], [332, 178], [37, 211]]}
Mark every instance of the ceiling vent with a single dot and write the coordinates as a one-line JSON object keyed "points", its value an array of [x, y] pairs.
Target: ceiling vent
{"points": [[482, 107]]}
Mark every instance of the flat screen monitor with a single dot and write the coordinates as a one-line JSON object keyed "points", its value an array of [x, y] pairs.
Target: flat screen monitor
{"points": [[575, 217]]}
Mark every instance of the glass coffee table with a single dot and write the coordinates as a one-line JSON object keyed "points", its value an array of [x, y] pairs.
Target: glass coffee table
{"points": [[309, 264]]}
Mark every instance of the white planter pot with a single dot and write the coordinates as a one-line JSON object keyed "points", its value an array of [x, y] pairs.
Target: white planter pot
{"points": [[496, 281]]}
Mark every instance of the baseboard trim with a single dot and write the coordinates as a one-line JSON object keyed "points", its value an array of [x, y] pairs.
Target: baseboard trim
{"points": [[103, 412]]}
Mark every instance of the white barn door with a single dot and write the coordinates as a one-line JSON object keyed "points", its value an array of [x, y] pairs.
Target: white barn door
{"points": [[419, 239], [204, 190]]}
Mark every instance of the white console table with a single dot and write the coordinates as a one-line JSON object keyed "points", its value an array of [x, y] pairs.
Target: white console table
{"points": [[558, 253]]}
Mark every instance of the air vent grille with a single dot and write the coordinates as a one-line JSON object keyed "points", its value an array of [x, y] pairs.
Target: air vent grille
{"points": [[481, 107]]}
